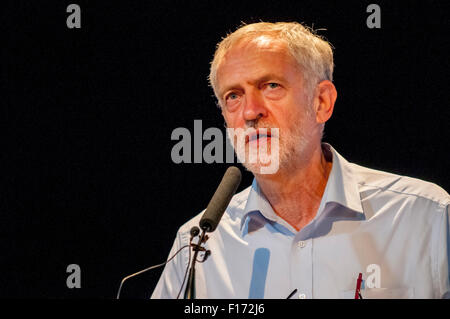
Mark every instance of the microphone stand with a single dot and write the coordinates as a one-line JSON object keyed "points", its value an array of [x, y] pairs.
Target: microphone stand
{"points": [[189, 293]]}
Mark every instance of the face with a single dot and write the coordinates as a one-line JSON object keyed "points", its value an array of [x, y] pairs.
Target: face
{"points": [[260, 86]]}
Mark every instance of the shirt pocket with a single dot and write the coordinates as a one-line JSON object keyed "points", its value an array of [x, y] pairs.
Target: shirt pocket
{"points": [[381, 293]]}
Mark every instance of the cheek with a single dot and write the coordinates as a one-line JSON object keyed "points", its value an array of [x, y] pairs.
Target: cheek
{"points": [[230, 119], [291, 122], [288, 114], [233, 119]]}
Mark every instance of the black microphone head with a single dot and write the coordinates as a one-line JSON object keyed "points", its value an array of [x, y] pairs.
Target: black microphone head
{"points": [[194, 231], [221, 198]]}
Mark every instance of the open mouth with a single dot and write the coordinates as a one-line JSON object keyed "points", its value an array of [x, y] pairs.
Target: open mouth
{"points": [[257, 135]]}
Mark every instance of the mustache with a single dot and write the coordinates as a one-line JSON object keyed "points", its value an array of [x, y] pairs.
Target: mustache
{"points": [[258, 124]]}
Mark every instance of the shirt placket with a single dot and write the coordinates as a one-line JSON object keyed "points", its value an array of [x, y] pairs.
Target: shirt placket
{"points": [[301, 268]]}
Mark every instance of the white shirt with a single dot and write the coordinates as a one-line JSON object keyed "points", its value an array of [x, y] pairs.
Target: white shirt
{"points": [[393, 229]]}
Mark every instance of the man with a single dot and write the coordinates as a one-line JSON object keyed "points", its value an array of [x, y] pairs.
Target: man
{"points": [[319, 221]]}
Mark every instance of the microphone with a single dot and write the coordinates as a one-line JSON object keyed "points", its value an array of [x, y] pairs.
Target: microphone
{"points": [[211, 218], [208, 223], [221, 198]]}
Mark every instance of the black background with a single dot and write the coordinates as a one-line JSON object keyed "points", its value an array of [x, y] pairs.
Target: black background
{"points": [[87, 114]]}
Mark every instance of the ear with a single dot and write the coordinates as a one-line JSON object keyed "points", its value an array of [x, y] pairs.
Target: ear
{"points": [[324, 100]]}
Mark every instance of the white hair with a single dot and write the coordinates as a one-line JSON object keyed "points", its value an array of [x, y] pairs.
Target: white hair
{"points": [[313, 54]]}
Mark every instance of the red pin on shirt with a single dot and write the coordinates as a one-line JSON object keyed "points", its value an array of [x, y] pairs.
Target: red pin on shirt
{"points": [[358, 287]]}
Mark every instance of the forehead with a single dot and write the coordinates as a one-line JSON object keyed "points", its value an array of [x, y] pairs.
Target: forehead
{"points": [[251, 59]]}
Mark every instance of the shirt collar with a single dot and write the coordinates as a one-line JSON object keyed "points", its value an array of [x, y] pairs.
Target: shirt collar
{"points": [[341, 188]]}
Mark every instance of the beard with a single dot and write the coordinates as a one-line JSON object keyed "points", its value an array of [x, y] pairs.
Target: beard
{"points": [[286, 149]]}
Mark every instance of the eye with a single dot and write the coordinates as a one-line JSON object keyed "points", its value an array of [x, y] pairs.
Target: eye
{"points": [[274, 91], [232, 100], [231, 96]]}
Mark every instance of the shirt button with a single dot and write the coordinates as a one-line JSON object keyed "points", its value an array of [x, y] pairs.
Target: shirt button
{"points": [[302, 296], [301, 244]]}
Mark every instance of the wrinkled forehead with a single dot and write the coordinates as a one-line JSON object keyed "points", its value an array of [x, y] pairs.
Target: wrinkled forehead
{"points": [[251, 51], [249, 57]]}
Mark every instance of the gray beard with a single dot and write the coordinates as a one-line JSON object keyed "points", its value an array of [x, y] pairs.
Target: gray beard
{"points": [[293, 145]]}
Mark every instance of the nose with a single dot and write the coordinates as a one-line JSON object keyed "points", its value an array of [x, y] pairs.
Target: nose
{"points": [[254, 107]]}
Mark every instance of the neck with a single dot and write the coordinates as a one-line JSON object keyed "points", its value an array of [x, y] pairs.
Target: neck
{"points": [[295, 192]]}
